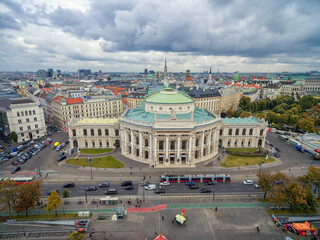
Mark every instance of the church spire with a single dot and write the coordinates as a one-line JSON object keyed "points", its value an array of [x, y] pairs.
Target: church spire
{"points": [[165, 71], [210, 71]]}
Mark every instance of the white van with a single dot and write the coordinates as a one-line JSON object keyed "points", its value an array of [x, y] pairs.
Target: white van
{"points": [[150, 187]]}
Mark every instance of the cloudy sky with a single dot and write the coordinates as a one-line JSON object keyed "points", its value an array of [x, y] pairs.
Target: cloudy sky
{"points": [[121, 35]]}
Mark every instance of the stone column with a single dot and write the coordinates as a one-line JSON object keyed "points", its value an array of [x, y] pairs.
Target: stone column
{"points": [[155, 149], [125, 141], [178, 153], [167, 148], [131, 134], [140, 146], [202, 144], [190, 150], [210, 133], [150, 147]]}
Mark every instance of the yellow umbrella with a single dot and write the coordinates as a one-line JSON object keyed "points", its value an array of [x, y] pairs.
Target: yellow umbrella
{"points": [[56, 144]]}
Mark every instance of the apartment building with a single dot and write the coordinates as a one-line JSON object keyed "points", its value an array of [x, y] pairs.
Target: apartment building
{"points": [[22, 116], [209, 99], [100, 106], [134, 98], [229, 99]]}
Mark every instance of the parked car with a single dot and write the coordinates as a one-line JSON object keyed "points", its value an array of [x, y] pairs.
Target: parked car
{"points": [[91, 188], [210, 183], [159, 191], [205, 190], [60, 146], [165, 184], [5, 159], [248, 182], [193, 187], [16, 169], [62, 158], [286, 133], [68, 185], [12, 154], [278, 149], [145, 184], [130, 187], [256, 186], [104, 184], [150, 187], [15, 162]]}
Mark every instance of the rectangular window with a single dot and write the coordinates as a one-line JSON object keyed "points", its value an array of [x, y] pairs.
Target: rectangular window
{"points": [[29, 127], [27, 120], [22, 134], [35, 119], [37, 131], [21, 128], [36, 126], [19, 121]]}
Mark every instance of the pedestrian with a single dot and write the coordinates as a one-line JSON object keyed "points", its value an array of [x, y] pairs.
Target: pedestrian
{"points": [[162, 218], [137, 200], [216, 209], [97, 205], [138, 205]]}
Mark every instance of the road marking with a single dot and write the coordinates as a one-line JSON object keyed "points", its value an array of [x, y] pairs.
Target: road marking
{"points": [[207, 216]]}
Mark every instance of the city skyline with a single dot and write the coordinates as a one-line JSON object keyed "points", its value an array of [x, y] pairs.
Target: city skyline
{"points": [[130, 36]]}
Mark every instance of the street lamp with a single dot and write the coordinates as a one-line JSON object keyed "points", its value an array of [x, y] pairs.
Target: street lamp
{"points": [[90, 161], [38, 166], [143, 190], [214, 191]]}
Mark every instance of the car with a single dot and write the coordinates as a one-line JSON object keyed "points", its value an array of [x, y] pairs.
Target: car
{"points": [[14, 154], [277, 132], [19, 154], [278, 181], [143, 184], [130, 187], [165, 183], [159, 191], [189, 183], [126, 183], [150, 187], [267, 142], [67, 142], [15, 162], [286, 133], [104, 184], [256, 186], [16, 169], [58, 148], [210, 183], [68, 185], [205, 190], [91, 188], [37, 146], [278, 149], [193, 187], [49, 192], [22, 161], [277, 155], [5, 159], [247, 182], [111, 191], [61, 158]]}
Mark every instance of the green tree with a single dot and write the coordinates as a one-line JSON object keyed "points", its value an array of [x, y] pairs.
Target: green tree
{"points": [[272, 117], [295, 110], [76, 236], [312, 177], [298, 96], [230, 113], [54, 201], [27, 197], [265, 182], [13, 136], [294, 119], [307, 102], [65, 193], [307, 124], [245, 103], [8, 191], [245, 114], [261, 115]]}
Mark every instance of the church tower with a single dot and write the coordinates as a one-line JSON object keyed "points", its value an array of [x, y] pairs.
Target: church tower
{"points": [[165, 71], [210, 77]]}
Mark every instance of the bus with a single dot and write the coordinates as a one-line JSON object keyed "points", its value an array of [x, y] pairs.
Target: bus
{"points": [[195, 178], [294, 142], [20, 180]]}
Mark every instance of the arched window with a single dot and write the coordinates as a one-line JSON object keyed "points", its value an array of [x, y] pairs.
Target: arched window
{"points": [[230, 131], [137, 140], [261, 132], [146, 154], [160, 145], [146, 143], [117, 132], [229, 143], [249, 143], [236, 143], [26, 112], [106, 132], [242, 143], [251, 132], [22, 114], [93, 144], [107, 143], [100, 143], [34, 112], [244, 132], [86, 144], [137, 152], [221, 132], [85, 132], [197, 142], [237, 132], [196, 154], [30, 113], [74, 133], [172, 145], [99, 132], [18, 114], [92, 132]]}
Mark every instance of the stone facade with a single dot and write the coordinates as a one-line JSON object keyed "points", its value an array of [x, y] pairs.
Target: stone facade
{"points": [[229, 99]]}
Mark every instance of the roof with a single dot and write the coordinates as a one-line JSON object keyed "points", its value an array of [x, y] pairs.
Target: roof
{"points": [[140, 115], [5, 103], [167, 96], [92, 121], [204, 93], [188, 78], [139, 95], [74, 100], [242, 121]]}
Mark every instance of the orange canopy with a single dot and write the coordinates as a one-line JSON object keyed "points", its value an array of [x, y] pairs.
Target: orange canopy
{"points": [[302, 226], [160, 237]]}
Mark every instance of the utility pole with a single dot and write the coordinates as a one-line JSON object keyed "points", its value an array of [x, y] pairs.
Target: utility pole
{"points": [[85, 192], [90, 161], [143, 191]]}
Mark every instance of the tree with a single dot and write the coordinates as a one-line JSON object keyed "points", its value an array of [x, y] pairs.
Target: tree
{"points": [[8, 195], [272, 117], [54, 201], [230, 113], [65, 193], [261, 115], [13, 136], [76, 236], [245, 114], [28, 196], [265, 182], [245, 103], [312, 177], [307, 102], [307, 124]]}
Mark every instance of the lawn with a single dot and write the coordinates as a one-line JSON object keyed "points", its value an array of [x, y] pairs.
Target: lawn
{"points": [[95, 151], [99, 162], [242, 150], [238, 161]]}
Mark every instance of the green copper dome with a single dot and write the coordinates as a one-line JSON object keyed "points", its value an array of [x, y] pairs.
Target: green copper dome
{"points": [[168, 95]]}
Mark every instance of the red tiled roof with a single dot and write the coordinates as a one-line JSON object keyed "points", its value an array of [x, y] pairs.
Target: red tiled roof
{"points": [[125, 100], [188, 78], [116, 90], [74, 100], [57, 99]]}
